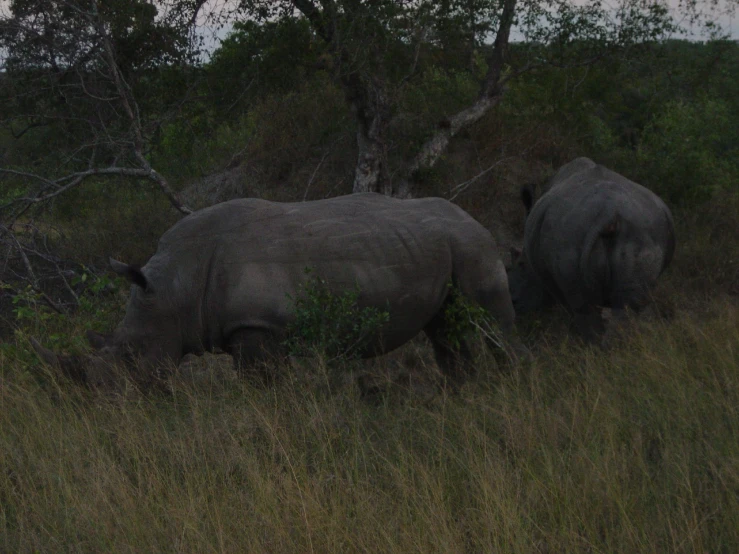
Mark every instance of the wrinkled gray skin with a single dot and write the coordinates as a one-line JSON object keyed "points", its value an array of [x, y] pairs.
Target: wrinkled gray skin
{"points": [[222, 277], [594, 239]]}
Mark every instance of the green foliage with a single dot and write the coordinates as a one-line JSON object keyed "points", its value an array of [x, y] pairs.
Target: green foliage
{"points": [[29, 305], [11, 192], [95, 285], [331, 324], [193, 145], [462, 317], [99, 304], [257, 59], [690, 151], [141, 36]]}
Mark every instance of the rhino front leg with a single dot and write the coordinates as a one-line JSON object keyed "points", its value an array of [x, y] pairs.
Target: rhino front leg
{"points": [[255, 353]]}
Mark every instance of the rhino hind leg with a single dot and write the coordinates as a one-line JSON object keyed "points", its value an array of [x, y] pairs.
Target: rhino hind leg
{"points": [[254, 352], [589, 324], [488, 288]]}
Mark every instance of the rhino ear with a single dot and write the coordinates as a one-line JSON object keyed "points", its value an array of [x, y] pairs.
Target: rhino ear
{"points": [[97, 340], [130, 272], [46, 355], [528, 193]]}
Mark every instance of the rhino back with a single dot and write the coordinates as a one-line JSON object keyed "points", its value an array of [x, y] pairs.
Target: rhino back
{"points": [[238, 264], [577, 167], [565, 239]]}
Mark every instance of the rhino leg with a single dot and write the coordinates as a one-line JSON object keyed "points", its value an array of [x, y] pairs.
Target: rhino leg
{"points": [[487, 286], [589, 324], [617, 321], [254, 351], [454, 363]]}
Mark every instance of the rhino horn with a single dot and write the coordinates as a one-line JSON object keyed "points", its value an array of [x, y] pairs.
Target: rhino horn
{"points": [[97, 340], [46, 355], [131, 272], [70, 366]]}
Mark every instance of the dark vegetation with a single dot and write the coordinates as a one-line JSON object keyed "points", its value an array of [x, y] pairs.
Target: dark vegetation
{"points": [[633, 450]]}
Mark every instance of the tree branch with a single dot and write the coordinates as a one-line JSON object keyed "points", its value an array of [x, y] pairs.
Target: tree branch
{"points": [[461, 187], [490, 95], [314, 15], [76, 179], [28, 128], [132, 111], [32, 279], [499, 55]]}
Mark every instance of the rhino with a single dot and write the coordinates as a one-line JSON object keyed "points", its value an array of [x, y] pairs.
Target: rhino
{"points": [[223, 277], [593, 240]]}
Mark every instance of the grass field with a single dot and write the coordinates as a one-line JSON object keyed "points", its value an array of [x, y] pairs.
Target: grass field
{"points": [[631, 450]]}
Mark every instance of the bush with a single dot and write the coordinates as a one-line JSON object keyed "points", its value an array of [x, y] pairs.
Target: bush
{"points": [[690, 151], [332, 325], [463, 319], [100, 305]]}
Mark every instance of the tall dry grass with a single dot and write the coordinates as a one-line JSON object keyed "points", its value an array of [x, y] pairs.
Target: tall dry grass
{"points": [[632, 450]]}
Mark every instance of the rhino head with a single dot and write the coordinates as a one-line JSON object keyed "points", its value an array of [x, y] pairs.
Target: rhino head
{"points": [[527, 290], [98, 370], [138, 349]]}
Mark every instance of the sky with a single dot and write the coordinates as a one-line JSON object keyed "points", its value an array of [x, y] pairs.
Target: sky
{"points": [[728, 22]]}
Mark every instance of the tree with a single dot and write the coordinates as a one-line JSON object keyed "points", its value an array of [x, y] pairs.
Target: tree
{"points": [[96, 82], [74, 66], [377, 48], [72, 76]]}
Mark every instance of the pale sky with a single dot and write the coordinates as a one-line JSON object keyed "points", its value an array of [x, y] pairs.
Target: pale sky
{"points": [[727, 20]]}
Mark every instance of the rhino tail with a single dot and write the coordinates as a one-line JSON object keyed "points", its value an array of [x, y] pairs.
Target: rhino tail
{"points": [[612, 227], [46, 355], [609, 229]]}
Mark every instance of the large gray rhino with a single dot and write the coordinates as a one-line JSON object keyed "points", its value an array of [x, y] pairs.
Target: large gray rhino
{"points": [[223, 278], [594, 239]]}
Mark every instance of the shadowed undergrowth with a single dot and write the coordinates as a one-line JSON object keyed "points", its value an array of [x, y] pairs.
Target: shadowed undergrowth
{"points": [[634, 450]]}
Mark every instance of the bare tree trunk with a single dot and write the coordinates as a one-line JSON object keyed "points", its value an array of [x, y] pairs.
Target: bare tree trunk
{"points": [[367, 97], [372, 110], [372, 107], [368, 175]]}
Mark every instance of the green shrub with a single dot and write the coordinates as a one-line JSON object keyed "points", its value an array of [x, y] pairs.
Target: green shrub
{"points": [[690, 151], [100, 305], [331, 324], [463, 318]]}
